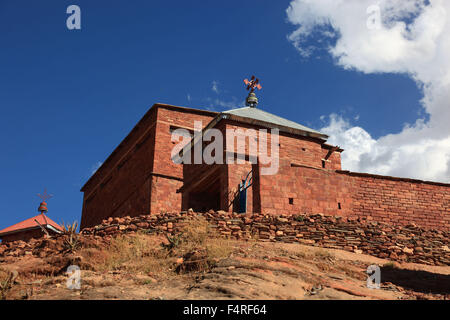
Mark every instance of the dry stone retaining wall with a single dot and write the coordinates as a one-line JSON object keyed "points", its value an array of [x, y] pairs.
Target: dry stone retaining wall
{"points": [[408, 243]]}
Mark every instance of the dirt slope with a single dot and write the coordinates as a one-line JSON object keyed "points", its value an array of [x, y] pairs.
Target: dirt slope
{"points": [[248, 270]]}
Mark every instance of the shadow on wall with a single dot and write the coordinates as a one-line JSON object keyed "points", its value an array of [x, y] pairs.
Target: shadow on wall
{"points": [[419, 281]]}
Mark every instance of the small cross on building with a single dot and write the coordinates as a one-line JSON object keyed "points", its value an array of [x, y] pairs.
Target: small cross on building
{"points": [[252, 84]]}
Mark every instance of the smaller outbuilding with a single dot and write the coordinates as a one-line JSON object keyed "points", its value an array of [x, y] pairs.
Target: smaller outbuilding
{"points": [[35, 227]]}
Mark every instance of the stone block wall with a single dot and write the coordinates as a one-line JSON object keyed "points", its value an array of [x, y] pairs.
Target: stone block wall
{"points": [[301, 189], [122, 182], [142, 161], [169, 175], [399, 201]]}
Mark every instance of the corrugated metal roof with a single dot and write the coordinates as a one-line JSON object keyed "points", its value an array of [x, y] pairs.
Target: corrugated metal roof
{"points": [[261, 115]]}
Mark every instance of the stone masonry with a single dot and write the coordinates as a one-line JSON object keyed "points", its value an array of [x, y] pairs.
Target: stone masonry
{"points": [[140, 177], [406, 244]]}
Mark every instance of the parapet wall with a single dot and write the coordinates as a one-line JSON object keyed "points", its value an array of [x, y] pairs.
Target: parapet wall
{"points": [[400, 201], [302, 189]]}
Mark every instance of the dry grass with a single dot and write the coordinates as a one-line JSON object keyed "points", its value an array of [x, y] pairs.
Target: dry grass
{"points": [[137, 253], [152, 254], [197, 234], [194, 234], [155, 255], [6, 282], [324, 255]]}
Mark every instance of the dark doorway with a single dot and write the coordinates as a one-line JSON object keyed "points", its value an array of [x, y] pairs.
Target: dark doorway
{"points": [[205, 195], [204, 201]]}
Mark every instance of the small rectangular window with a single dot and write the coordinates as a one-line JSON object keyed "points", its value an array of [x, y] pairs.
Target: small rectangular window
{"points": [[291, 200]]}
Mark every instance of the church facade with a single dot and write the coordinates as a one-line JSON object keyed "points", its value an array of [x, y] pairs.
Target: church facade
{"points": [[291, 170]]}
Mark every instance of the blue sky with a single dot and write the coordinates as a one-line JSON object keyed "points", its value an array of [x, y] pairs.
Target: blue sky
{"points": [[68, 98]]}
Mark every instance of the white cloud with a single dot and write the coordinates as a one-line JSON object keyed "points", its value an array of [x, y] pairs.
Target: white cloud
{"points": [[355, 140], [189, 98], [220, 105], [215, 86], [224, 104], [414, 39]]}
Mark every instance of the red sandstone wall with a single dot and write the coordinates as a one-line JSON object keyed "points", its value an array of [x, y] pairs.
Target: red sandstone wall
{"points": [[298, 150], [306, 151], [301, 151], [400, 201], [338, 193], [227, 179], [163, 163], [304, 190], [139, 133], [276, 190], [164, 197], [334, 161], [164, 189], [123, 185]]}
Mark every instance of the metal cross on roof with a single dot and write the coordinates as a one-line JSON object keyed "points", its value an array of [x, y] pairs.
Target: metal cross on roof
{"points": [[252, 84], [45, 196], [252, 100], [43, 206]]}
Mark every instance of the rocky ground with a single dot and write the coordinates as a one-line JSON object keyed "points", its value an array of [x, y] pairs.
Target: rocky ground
{"points": [[201, 266]]}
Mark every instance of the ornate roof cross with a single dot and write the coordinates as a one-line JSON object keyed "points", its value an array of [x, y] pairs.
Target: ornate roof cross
{"points": [[252, 84], [43, 206], [252, 100], [45, 196]]}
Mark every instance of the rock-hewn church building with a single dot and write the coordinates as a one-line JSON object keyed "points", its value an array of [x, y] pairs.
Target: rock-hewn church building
{"points": [[140, 176]]}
